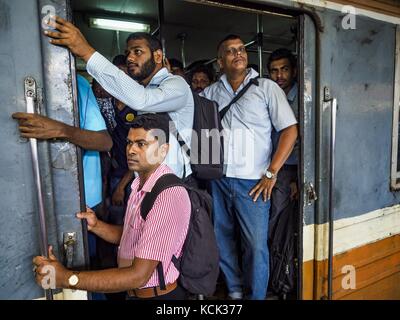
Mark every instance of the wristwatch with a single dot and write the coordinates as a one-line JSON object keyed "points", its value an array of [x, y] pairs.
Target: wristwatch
{"points": [[73, 280], [269, 174]]}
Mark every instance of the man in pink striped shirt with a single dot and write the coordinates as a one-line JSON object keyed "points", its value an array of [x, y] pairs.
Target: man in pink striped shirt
{"points": [[143, 244]]}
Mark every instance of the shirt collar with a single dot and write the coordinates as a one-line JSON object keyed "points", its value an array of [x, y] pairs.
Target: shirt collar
{"points": [[151, 181], [159, 77], [251, 73], [292, 93]]}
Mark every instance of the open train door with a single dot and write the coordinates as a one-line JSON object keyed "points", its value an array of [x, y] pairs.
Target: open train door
{"points": [[42, 181], [307, 124]]}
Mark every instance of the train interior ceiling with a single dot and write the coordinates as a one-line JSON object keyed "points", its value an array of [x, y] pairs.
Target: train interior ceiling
{"points": [[191, 30]]}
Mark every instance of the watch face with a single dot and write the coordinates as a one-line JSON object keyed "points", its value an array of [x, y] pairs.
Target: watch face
{"points": [[268, 174], [73, 280]]}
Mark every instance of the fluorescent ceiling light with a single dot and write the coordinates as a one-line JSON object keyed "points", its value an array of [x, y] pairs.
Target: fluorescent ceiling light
{"points": [[120, 25]]}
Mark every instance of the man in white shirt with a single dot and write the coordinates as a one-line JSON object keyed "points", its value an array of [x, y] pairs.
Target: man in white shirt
{"points": [[149, 87], [242, 195]]}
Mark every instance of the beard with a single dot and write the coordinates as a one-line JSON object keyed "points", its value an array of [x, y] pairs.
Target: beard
{"points": [[145, 71]]}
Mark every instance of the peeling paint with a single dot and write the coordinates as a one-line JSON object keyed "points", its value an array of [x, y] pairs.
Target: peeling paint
{"points": [[64, 158]]}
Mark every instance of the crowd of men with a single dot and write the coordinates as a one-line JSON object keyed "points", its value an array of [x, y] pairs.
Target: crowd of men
{"points": [[121, 118]]}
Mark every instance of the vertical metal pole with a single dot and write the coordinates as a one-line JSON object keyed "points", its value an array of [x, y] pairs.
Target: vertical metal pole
{"points": [[260, 39], [118, 44], [331, 194], [182, 37], [30, 96], [160, 25]]}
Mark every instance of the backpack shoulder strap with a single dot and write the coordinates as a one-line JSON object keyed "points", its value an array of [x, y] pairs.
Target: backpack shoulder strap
{"points": [[166, 181], [238, 96]]}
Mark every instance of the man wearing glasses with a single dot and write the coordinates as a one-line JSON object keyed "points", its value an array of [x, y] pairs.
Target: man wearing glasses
{"points": [[242, 195]]}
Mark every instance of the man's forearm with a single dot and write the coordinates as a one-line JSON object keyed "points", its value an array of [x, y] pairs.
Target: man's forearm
{"points": [[134, 95], [109, 280], [286, 143], [86, 139], [108, 232]]}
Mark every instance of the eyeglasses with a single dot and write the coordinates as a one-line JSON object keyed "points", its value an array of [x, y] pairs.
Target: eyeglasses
{"points": [[234, 51]]}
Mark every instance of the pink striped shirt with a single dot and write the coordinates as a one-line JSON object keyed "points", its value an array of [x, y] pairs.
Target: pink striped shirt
{"points": [[163, 232]]}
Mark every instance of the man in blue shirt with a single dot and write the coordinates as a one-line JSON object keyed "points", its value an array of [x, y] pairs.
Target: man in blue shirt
{"points": [[242, 195], [282, 68]]}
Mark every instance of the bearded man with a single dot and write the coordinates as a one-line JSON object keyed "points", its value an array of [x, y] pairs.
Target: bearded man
{"points": [[147, 88]]}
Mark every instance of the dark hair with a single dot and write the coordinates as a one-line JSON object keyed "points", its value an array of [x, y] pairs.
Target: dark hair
{"points": [[282, 53], [152, 41], [151, 121], [227, 38], [175, 63], [208, 71], [119, 60]]}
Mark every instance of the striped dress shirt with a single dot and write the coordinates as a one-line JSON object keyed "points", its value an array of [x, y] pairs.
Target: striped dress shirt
{"points": [[164, 93], [162, 234]]}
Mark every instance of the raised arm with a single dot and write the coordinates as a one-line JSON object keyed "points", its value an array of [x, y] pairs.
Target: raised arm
{"points": [[171, 95]]}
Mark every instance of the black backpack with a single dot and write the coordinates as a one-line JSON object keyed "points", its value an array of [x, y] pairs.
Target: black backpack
{"points": [[283, 251], [206, 151], [199, 263]]}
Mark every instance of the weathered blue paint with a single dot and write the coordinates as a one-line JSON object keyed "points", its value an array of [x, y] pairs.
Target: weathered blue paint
{"points": [[23, 53], [308, 116], [358, 67]]}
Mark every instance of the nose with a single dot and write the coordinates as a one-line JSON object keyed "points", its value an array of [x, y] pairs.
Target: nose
{"points": [[130, 57], [131, 149]]}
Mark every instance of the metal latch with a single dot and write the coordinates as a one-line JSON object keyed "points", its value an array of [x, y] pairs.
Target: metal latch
{"points": [[69, 240], [310, 193]]}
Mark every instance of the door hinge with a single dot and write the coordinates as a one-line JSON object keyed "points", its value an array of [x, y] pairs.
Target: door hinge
{"points": [[311, 195], [69, 240]]}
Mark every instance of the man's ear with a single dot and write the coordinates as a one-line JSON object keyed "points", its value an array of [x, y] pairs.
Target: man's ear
{"points": [[158, 56], [220, 64], [164, 149], [294, 73]]}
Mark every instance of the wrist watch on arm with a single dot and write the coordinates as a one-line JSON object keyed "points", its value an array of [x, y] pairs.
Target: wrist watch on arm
{"points": [[269, 175], [73, 280]]}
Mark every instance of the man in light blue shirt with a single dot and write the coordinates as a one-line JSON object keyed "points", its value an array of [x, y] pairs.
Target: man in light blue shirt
{"points": [[90, 119], [242, 195], [282, 67], [149, 87]]}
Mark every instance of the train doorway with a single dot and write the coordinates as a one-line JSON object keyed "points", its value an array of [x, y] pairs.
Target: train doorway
{"points": [[190, 35]]}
